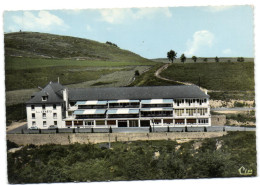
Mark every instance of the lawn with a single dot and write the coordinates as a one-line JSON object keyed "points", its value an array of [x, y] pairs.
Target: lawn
{"points": [[225, 76], [214, 157]]}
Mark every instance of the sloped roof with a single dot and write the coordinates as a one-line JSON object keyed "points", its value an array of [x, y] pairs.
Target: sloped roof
{"points": [[152, 92], [54, 92]]}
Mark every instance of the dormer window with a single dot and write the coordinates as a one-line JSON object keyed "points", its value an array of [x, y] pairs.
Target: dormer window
{"points": [[44, 98]]}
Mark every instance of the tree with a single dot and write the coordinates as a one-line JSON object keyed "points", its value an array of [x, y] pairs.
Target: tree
{"points": [[171, 55], [183, 58], [194, 58], [137, 73], [216, 59], [240, 59], [205, 59]]}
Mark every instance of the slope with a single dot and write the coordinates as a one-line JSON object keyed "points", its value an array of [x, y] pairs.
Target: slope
{"points": [[43, 45]]}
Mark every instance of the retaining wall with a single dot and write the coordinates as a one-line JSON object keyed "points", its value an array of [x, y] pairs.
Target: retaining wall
{"points": [[218, 120], [69, 138]]}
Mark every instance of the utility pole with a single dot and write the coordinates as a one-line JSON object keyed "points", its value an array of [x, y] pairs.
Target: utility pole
{"points": [[153, 124], [109, 144]]}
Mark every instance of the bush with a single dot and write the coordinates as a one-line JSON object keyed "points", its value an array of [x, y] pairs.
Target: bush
{"points": [[239, 104], [137, 73], [11, 144]]}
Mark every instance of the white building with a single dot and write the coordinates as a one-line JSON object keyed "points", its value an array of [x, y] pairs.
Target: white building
{"points": [[159, 106]]}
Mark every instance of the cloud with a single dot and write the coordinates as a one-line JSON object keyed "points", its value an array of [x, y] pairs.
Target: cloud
{"points": [[200, 42], [43, 20], [88, 28], [227, 51], [116, 16]]}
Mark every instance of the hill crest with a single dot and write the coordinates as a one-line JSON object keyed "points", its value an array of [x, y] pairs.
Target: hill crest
{"points": [[45, 45]]}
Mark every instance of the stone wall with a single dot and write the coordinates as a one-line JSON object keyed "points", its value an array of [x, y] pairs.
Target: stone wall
{"points": [[218, 120], [41, 139]]}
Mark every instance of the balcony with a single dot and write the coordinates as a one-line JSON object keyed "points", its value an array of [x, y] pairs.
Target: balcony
{"points": [[156, 115]]}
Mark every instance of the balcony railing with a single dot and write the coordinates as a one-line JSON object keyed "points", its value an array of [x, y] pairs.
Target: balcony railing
{"points": [[156, 115]]}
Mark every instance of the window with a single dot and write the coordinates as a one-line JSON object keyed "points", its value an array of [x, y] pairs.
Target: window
{"points": [[55, 122], [133, 123], [44, 115], [111, 122], [54, 106], [33, 115], [32, 107], [89, 123], [203, 121], [190, 112], [179, 101], [202, 111], [167, 121], [100, 122], [44, 123], [33, 123], [44, 98], [68, 123], [179, 112], [180, 121], [54, 115], [157, 121], [43, 107]]}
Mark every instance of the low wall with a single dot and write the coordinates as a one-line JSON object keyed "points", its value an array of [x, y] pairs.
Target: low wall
{"points": [[218, 120], [69, 138]]}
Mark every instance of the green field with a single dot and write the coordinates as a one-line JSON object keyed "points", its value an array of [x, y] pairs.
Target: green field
{"points": [[25, 73], [228, 76], [134, 160]]}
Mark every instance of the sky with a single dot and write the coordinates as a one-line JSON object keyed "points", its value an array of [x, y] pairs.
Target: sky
{"points": [[206, 31]]}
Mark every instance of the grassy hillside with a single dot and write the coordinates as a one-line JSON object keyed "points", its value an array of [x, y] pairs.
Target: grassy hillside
{"points": [[33, 59], [204, 158], [226, 76], [43, 45]]}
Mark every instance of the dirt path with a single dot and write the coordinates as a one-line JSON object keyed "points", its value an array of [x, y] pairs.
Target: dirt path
{"points": [[164, 67], [14, 125]]}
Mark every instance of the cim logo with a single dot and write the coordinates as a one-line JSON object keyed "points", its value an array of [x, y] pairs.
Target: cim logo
{"points": [[244, 171]]}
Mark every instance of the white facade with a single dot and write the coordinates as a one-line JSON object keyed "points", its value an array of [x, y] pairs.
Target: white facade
{"points": [[43, 112], [42, 117]]}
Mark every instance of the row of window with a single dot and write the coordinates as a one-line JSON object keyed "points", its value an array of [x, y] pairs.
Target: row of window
{"points": [[134, 123], [190, 101], [44, 123], [190, 112], [54, 106], [137, 104], [44, 115]]}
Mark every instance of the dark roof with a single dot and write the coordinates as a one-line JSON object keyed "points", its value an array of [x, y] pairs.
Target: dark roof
{"points": [[152, 92], [54, 92]]}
